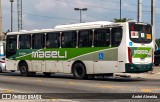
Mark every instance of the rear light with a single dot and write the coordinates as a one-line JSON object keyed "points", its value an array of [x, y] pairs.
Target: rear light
{"points": [[132, 28], [129, 55], [2, 61]]}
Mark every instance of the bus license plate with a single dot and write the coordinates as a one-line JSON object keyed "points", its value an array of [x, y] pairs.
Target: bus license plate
{"points": [[142, 59]]}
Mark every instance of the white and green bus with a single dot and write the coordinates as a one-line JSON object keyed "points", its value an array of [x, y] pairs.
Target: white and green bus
{"points": [[82, 49]]}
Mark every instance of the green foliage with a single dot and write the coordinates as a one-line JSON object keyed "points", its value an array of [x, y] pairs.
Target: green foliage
{"points": [[121, 20], [158, 42]]}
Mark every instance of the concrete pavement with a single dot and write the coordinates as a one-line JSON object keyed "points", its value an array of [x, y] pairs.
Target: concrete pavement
{"points": [[155, 74]]}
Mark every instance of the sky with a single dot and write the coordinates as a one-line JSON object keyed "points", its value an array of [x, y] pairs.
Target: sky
{"points": [[43, 14]]}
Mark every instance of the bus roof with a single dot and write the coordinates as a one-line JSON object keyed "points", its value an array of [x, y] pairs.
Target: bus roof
{"points": [[87, 25]]}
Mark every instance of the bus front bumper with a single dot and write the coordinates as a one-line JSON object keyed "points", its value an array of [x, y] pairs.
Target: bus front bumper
{"points": [[138, 68]]}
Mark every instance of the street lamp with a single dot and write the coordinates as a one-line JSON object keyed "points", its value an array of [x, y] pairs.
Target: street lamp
{"points": [[11, 14], [80, 9], [120, 9]]}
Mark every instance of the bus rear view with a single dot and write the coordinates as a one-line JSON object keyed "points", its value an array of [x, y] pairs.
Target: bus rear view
{"points": [[140, 48]]}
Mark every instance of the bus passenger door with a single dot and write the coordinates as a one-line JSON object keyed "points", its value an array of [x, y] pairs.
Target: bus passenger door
{"points": [[11, 50]]}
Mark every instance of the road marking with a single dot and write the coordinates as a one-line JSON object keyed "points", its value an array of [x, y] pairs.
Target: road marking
{"points": [[39, 80], [146, 90], [110, 86], [13, 78], [63, 100], [8, 91], [72, 83], [150, 90], [106, 86], [53, 99], [121, 86]]}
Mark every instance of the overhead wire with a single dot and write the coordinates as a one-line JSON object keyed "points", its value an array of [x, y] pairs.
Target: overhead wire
{"points": [[145, 12]]}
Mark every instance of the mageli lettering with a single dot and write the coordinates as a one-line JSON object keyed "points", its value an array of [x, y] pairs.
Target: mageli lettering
{"points": [[49, 54]]}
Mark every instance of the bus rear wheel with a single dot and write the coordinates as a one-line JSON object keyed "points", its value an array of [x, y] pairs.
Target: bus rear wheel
{"points": [[79, 71], [23, 67], [156, 64]]}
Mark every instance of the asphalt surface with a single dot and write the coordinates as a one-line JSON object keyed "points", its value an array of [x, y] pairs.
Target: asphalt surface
{"points": [[68, 86]]}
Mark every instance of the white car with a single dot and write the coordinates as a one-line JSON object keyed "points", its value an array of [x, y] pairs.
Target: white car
{"points": [[2, 57], [2, 64]]}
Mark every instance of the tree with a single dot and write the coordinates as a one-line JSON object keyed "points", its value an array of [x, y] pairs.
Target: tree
{"points": [[121, 20], [158, 42]]}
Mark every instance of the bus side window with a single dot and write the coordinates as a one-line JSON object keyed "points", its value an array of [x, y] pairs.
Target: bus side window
{"points": [[38, 41], [69, 39], [116, 36], [24, 41], [85, 38], [102, 37], [52, 40]]}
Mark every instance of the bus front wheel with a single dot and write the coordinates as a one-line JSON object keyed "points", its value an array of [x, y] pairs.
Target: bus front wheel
{"points": [[79, 71], [23, 67]]}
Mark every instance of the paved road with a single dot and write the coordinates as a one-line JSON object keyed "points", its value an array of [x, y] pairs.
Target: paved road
{"points": [[14, 83]]}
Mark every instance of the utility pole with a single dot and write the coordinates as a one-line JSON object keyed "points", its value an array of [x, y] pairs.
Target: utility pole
{"points": [[120, 9], [139, 18], [19, 10], [153, 17], [11, 14], [0, 21], [153, 11]]}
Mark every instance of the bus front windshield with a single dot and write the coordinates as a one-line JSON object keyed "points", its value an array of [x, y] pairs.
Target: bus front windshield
{"points": [[140, 33]]}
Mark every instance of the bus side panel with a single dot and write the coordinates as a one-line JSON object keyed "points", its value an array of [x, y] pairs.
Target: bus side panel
{"points": [[11, 64], [89, 67], [122, 50], [53, 66], [67, 66], [36, 66], [29, 63], [102, 67]]}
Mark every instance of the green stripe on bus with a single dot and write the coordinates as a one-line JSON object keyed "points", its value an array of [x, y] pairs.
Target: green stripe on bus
{"points": [[141, 52], [110, 53]]}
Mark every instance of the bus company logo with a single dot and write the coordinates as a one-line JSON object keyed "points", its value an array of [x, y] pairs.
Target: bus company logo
{"points": [[146, 52], [6, 96], [49, 54]]}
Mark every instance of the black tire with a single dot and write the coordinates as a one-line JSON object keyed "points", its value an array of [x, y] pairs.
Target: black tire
{"points": [[32, 73], [23, 67], [79, 71], [156, 64], [0, 70], [12, 70], [47, 73]]}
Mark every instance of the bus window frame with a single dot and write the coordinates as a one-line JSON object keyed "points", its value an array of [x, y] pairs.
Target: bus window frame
{"points": [[74, 35], [139, 39], [33, 40], [11, 52], [106, 36], [79, 38], [29, 41], [58, 39], [113, 37]]}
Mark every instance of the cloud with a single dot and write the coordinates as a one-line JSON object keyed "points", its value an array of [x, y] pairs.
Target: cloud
{"points": [[5, 3], [45, 5], [50, 11], [49, 5]]}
